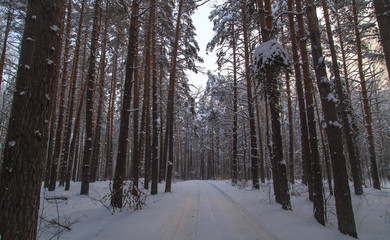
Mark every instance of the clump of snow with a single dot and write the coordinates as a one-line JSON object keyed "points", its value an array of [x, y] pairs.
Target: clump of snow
{"points": [[54, 28], [332, 98], [270, 56], [12, 144]]}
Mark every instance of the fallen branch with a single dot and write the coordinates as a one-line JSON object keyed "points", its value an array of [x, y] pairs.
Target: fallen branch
{"points": [[56, 198]]}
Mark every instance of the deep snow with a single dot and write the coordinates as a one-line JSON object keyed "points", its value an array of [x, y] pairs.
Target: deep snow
{"points": [[209, 210]]}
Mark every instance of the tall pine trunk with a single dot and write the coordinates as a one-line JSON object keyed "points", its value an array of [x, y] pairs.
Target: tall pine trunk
{"points": [[91, 76], [252, 126], [154, 186], [366, 104], [345, 216], [120, 168], [26, 140], [235, 116], [171, 101], [345, 108], [72, 100]]}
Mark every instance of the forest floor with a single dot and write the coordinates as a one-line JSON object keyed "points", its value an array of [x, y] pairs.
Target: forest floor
{"points": [[205, 210]]}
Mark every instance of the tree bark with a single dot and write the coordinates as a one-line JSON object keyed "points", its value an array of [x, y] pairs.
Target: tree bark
{"points": [[366, 105], [345, 108], [235, 114], [72, 99], [154, 186], [171, 101], [252, 126], [120, 169], [345, 216], [88, 145], [306, 78], [98, 138], [61, 113], [26, 141]]}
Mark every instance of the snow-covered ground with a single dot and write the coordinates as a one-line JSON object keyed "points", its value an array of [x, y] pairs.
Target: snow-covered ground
{"points": [[206, 210]]}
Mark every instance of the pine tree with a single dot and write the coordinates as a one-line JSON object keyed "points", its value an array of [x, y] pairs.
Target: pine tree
{"points": [[87, 157], [120, 168], [27, 130]]}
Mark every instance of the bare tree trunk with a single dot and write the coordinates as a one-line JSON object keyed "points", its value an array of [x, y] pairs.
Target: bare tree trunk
{"points": [[154, 186], [235, 116], [88, 145], [144, 135], [307, 78], [73, 149], [52, 125], [290, 132], [325, 148], [98, 138], [366, 105], [345, 108], [61, 114], [252, 126], [120, 169], [110, 117], [171, 101], [314, 166], [345, 216], [280, 171], [33, 101], [72, 99]]}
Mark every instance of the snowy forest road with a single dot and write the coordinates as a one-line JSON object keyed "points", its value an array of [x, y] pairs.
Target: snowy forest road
{"points": [[196, 210], [208, 213]]}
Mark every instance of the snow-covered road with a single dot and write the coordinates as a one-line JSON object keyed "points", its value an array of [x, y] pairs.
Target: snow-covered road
{"points": [[206, 212], [194, 210]]}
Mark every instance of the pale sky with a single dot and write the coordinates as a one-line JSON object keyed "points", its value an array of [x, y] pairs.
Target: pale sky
{"points": [[204, 31]]}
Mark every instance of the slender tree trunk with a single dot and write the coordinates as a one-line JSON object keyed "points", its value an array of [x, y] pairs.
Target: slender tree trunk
{"points": [[314, 166], [52, 126], [98, 138], [171, 101], [62, 109], [72, 99], [73, 149], [154, 186], [307, 78], [325, 148], [120, 169], [345, 216], [235, 114], [144, 135], [345, 108], [88, 145], [33, 101], [110, 121], [163, 159], [252, 126], [366, 105], [290, 131]]}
